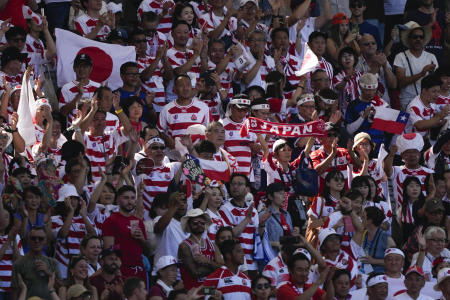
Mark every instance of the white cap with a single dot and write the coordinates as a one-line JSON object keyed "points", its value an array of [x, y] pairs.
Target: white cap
{"points": [[154, 140], [442, 275], [67, 190], [368, 81], [409, 141], [165, 261], [394, 251], [197, 132], [114, 7], [376, 280], [193, 213], [304, 252], [324, 233], [278, 143], [17, 87], [305, 98], [243, 2]]}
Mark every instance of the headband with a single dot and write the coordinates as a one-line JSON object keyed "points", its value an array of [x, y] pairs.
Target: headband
{"points": [[394, 251], [261, 106], [42, 101], [368, 86], [376, 280], [154, 140], [240, 101], [308, 98], [327, 101]]}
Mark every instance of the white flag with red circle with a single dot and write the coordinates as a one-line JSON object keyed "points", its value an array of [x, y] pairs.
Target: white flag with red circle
{"points": [[106, 58]]}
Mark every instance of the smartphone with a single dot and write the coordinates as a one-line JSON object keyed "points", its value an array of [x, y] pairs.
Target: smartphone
{"points": [[208, 291]]}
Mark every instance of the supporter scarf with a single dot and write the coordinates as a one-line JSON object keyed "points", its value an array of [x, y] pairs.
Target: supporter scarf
{"points": [[314, 128]]}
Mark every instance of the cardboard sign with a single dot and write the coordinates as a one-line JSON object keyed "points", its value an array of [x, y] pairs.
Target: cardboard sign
{"points": [[193, 171]]}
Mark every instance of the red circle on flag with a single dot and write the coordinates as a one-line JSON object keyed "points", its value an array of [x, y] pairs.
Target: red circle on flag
{"points": [[102, 63], [409, 136]]}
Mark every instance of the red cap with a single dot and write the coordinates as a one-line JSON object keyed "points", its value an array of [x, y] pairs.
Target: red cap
{"points": [[415, 269], [340, 18]]}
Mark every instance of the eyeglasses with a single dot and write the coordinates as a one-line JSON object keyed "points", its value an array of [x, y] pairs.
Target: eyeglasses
{"points": [[132, 74], [438, 240], [416, 36], [261, 286], [158, 148], [369, 44], [140, 41], [37, 238], [196, 223]]}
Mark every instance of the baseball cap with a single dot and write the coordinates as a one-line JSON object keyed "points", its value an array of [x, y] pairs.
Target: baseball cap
{"points": [[77, 290], [278, 144], [325, 233], [415, 269], [340, 18], [442, 275], [109, 251], [165, 261], [434, 204], [243, 2], [82, 58], [115, 35]]}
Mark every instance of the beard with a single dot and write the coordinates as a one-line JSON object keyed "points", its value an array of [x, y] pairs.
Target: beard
{"points": [[111, 269]]}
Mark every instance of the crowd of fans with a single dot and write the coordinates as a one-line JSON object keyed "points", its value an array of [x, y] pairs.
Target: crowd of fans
{"points": [[103, 206]]}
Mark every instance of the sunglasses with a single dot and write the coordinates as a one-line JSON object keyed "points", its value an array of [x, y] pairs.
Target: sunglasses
{"points": [[158, 148], [261, 286], [196, 223], [37, 238], [416, 36]]}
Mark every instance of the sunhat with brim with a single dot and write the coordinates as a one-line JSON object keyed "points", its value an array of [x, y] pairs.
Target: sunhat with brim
{"points": [[194, 213], [360, 137], [410, 26], [67, 190]]}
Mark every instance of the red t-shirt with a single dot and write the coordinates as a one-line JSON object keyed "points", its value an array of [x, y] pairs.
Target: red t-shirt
{"points": [[290, 291], [13, 10], [118, 226]]}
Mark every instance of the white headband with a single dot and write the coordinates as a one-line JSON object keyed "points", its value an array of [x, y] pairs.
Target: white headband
{"points": [[309, 98], [240, 101], [376, 280], [394, 251], [327, 101], [261, 106], [42, 101], [154, 140], [368, 86]]}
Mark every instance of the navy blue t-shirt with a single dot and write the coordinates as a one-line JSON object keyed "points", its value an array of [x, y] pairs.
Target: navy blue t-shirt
{"points": [[124, 95]]}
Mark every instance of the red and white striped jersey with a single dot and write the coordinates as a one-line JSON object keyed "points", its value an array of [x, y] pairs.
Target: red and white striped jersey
{"points": [[155, 83], [112, 122], [175, 119], [100, 148], [69, 246], [12, 81], [233, 215], [374, 172], [100, 214], [340, 162], [209, 21], [217, 222], [351, 88], [6, 263], [267, 66], [321, 208], [332, 220], [323, 65], [276, 270], [399, 174], [384, 206], [215, 107], [53, 153], [178, 58], [441, 102], [34, 46], [430, 159], [291, 64], [273, 169], [156, 6], [418, 112], [345, 261], [238, 146], [223, 155], [153, 43], [158, 181], [84, 24], [193, 32], [70, 90], [233, 286], [226, 78], [200, 8]]}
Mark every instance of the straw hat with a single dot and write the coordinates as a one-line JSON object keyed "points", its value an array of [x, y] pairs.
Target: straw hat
{"points": [[411, 25]]}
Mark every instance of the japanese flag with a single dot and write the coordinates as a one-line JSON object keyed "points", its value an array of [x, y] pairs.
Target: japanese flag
{"points": [[106, 58], [29, 14], [309, 61]]}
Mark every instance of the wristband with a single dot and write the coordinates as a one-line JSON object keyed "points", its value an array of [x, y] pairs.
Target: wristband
{"points": [[300, 86], [119, 111], [15, 130]]}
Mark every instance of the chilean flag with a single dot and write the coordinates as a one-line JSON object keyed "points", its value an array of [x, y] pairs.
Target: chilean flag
{"points": [[214, 170], [390, 120]]}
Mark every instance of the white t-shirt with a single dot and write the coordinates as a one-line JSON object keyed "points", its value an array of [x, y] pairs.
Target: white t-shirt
{"points": [[417, 63], [170, 239], [427, 265], [405, 296]]}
